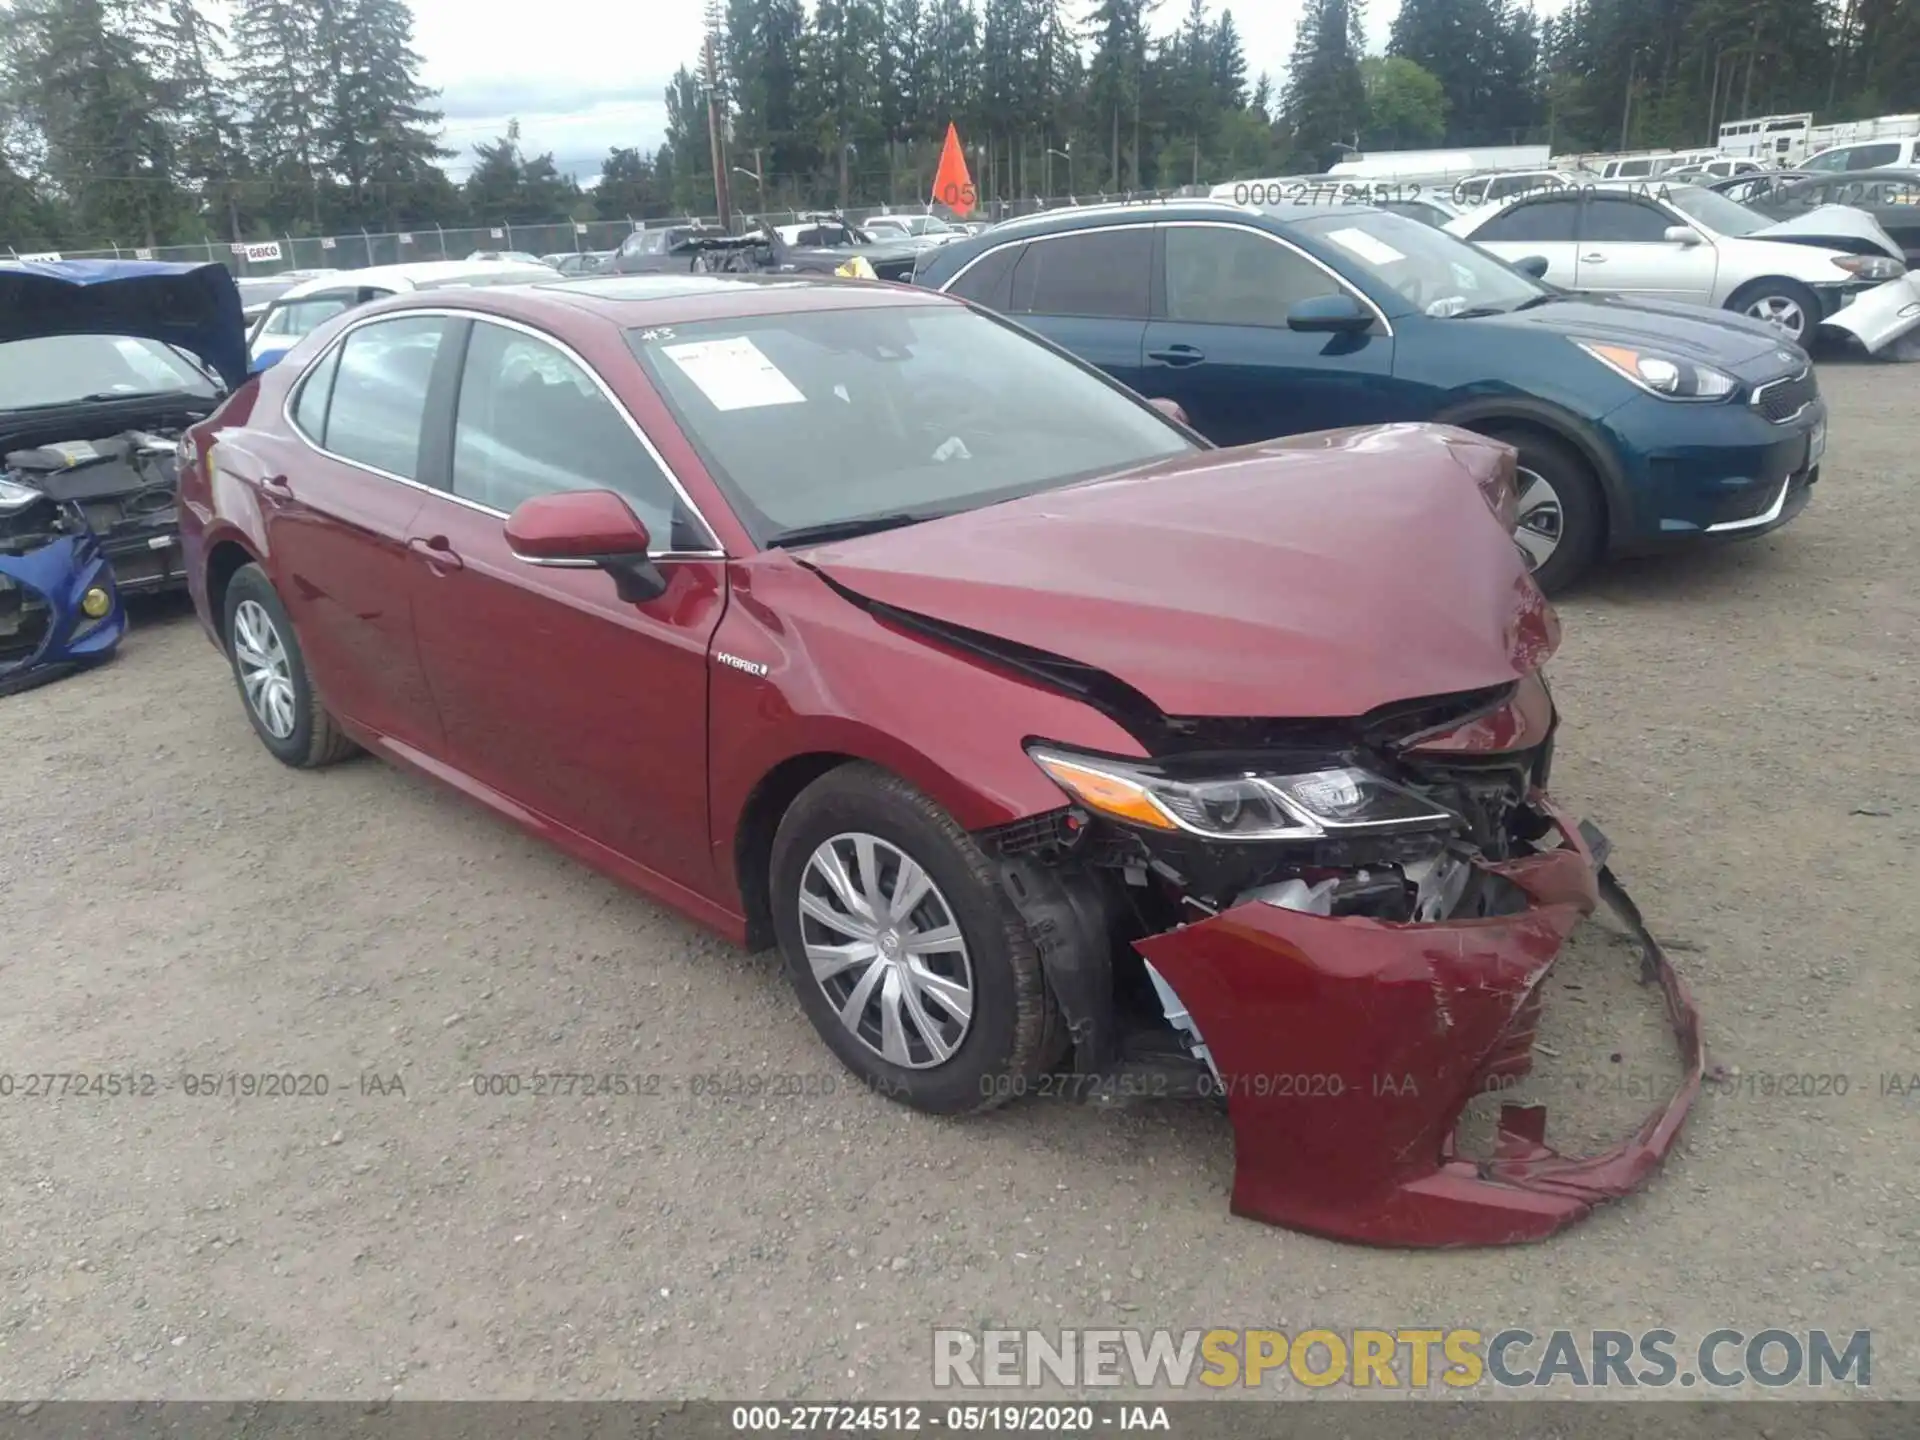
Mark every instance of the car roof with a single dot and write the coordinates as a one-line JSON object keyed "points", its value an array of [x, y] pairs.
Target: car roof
{"points": [[647, 300], [1147, 212], [406, 277]]}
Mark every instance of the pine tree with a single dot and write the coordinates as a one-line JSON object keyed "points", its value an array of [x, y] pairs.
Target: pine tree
{"points": [[380, 139], [1326, 104], [278, 73]]}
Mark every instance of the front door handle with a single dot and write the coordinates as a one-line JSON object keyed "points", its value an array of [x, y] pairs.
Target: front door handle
{"points": [[1177, 355], [438, 553], [277, 485], [1593, 259]]}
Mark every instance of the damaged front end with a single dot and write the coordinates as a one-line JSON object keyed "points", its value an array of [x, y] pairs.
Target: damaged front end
{"points": [[59, 608], [1341, 929]]}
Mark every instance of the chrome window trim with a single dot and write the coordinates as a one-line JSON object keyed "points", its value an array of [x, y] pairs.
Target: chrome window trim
{"points": [[481, 317], [1347, 287], [1332, 274]]}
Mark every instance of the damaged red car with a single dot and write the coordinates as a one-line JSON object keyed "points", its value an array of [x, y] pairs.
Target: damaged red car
{"points": [[1042, 738]]}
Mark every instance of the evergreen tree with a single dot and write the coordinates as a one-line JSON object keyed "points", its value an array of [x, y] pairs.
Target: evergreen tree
{"points": [[380, 137], [1326, 103]]}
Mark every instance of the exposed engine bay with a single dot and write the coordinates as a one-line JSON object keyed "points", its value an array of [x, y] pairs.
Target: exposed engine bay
{"points": [[1352, 974], [124, 488]]}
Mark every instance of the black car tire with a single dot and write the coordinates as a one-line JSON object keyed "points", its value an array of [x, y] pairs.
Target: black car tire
{"points": [[1582, 509], [1014, 1027], [1775, 288], [316, 738]]}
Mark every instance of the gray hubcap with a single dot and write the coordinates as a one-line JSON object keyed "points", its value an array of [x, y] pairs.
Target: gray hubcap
{"points": [[1781, 311], [265, 673], [886, 950], [1542, 521]]}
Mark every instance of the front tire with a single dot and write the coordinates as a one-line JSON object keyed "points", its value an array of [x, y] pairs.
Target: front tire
{"points": [[905, 954], [268, 666], [1787, 305], [1562, 518]]}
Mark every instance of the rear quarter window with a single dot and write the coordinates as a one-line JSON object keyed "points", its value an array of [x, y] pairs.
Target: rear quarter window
{"points": [[989, 280]]}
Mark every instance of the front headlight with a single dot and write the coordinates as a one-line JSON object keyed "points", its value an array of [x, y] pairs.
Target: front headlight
{"points": [[1251, 805], [1662, 375], [1870, 267], [15, 496]]}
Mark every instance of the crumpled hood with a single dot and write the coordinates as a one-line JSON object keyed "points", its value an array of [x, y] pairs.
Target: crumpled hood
{"points": [[1693, 332], [1836, 223], [194, 307], [1318, 576]]}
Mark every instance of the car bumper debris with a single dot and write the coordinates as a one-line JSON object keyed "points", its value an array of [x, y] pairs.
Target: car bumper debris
{"points": [[1881, 315]]}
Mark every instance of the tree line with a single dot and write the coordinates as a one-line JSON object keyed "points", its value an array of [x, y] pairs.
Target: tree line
{"points": [[146, 122]]}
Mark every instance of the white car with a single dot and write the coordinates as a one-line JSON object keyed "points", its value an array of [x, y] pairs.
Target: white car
{"points": [[1865, 155], [912, 227], [309, 305], [1833, 266]]}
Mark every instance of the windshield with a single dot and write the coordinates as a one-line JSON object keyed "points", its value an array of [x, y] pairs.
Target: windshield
{"points": [[832, 417], [63, 369], [1716, 212], [1431, 270]]}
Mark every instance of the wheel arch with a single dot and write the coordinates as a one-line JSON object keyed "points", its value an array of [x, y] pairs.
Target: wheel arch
{"points": [[759, 820], [1501, 415], [225, 559]]}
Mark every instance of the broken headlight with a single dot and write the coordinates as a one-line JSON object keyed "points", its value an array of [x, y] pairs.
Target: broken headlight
{"points": [[1248, 805]]}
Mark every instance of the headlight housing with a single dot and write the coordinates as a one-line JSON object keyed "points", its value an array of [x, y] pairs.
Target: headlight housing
{"points": [[1871, 267], [1667, 376], [1248, 805]]}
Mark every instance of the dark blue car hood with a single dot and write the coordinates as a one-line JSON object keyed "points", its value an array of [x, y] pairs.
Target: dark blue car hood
{"points": [[1693, 332], [194, 307]]}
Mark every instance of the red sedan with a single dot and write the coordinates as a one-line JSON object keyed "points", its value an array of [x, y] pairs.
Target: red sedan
{"points": [[1047, 742]]}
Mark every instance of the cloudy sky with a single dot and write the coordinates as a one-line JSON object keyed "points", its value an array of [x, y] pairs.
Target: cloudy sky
{"points": [[596, 80]]}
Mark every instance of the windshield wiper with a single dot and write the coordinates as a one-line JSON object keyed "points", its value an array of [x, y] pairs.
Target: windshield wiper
{"points": [[1545, 297], [98, 397], [851, 528], [1474, 312]]}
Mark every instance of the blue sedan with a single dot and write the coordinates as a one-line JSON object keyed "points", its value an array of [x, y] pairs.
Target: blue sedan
{"points": [[1639, 425]]}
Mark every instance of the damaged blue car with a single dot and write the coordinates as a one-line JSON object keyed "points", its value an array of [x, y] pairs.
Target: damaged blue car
{"points": [[103, 366]]}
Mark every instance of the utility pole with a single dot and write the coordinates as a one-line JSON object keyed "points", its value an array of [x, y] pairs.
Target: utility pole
{"points": [[1626, 110], [716, 136]]}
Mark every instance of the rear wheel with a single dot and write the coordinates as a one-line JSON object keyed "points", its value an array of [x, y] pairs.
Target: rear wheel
{"points": [[904, 953], [1561, 516], [271, 672], [1787, 305]]}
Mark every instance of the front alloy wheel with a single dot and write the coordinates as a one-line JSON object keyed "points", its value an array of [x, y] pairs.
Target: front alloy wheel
{"points": [[885, 949], [1783, 312], [265, 677], [1542, 519]]}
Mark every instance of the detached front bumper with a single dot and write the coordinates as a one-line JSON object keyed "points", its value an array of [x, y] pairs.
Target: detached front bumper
{"points": [[1878, 317], [44, 634], [1347, 1049]]}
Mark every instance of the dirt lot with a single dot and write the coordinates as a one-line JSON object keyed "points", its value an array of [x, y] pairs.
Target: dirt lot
{"points": [[1744, 724]]}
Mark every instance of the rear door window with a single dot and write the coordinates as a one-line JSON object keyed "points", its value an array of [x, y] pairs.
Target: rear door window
{"points": [[380, 393], [1102, 273]]}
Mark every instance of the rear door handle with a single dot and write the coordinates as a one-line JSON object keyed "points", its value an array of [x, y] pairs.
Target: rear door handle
{"points": [[439, 555], [1593, 259], [1177, 355]]}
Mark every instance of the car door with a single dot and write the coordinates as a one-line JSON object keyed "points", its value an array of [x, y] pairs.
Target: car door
{"points": [[1087, 290], [1219, 343], [1624, 251], [553, 691], [1547, 226], [338, 510]]}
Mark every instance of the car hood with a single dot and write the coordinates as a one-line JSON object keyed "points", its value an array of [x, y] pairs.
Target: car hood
{"points": [[194, 307], [1839, 226], [1693, 332], [1319, 576]]}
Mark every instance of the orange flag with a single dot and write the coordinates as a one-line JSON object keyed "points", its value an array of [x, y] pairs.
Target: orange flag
{"points": [[952, 186]]}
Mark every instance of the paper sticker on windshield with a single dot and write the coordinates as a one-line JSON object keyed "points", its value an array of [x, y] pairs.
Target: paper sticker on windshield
{"points": [[1375, 251], [733, 374]]}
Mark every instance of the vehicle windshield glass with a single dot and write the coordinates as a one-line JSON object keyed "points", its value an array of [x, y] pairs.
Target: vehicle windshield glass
{"points": [[1716, 212], [60, 369], [1430, 269], [831, 417]]}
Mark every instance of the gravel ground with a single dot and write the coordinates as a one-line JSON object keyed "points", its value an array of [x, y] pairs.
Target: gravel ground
{"points": [[1742, 723]]}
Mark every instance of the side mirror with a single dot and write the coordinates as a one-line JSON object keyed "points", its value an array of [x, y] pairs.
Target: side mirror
{"points": [[1681, 235], [588, 530], [1330, 315], [1169, 408], [1534, 265]]}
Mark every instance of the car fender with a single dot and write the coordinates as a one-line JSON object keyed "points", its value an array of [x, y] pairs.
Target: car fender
{"points": [[1745, 260], [1485, 412]]}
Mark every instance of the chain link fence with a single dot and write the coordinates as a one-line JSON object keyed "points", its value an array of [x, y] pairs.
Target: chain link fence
{"points": [[360, 249]]}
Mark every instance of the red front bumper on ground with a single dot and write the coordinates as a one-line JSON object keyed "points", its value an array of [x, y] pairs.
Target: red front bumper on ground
{"points": [[1348, 1048]]}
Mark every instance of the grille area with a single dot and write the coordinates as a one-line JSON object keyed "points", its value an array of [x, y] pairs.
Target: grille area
{"points": [[24, 622], [1783, 400]]}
